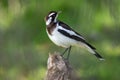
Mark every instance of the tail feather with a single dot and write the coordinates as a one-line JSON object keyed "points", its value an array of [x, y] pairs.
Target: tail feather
{"points": [[93, 51], [98, 56]]}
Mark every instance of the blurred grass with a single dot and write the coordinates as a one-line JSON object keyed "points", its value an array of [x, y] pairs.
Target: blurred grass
{"points": [[24, 44]]}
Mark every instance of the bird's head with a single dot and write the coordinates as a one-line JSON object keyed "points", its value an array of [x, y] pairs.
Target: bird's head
{"points": [[51, 17]]}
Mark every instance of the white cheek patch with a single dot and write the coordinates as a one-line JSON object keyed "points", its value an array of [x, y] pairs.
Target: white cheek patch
{"points": [[48, 21]]}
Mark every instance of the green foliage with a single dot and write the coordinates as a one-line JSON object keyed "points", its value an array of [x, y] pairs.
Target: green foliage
{"points": [[24, 44]]}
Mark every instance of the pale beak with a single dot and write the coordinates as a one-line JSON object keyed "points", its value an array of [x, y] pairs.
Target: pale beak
{"points": [[59, 12]]}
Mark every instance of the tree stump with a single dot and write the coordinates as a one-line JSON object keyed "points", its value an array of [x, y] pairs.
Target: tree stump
{"points": [[59, 68]]}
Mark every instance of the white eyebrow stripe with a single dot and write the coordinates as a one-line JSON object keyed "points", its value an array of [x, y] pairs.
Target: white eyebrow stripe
{"points": [[51, 14]]}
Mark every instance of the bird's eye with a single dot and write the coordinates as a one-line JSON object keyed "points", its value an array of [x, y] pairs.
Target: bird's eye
{"points": [[54, 15]]}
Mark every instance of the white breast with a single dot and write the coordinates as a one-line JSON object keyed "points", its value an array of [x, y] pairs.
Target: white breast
{"points": [[61, 40]]}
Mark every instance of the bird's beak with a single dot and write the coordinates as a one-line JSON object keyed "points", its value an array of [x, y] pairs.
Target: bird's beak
{"points": [[59, 12]]}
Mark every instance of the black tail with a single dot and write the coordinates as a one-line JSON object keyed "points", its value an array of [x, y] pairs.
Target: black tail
{"points": [[93, 51], [98, 56]]}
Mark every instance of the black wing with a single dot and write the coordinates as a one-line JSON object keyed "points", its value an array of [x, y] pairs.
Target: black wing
{"points": [[75, 37]]}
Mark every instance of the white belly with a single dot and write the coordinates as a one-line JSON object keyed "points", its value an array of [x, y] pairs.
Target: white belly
{"points": [[61, 40]]}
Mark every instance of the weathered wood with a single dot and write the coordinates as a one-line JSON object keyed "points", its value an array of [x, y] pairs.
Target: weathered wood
{"points": [[59, 69]]}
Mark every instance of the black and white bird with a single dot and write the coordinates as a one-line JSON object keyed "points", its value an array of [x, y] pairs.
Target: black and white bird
{"points": [[62, 35]]}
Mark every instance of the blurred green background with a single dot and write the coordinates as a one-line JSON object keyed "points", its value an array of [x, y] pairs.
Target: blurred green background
{"points": [[24, 44]]}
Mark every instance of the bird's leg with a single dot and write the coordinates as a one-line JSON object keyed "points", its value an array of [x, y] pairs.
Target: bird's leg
{"points": [[69, 49], [64, 51]]}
